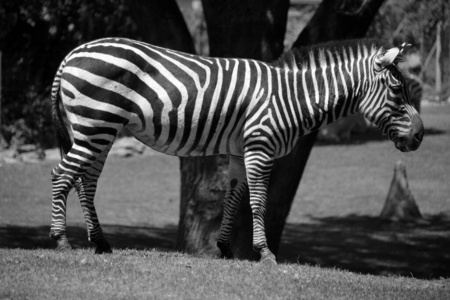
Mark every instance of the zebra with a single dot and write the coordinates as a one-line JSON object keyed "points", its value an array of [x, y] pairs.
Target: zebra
{"points": [[187, 105], [415, 88]]}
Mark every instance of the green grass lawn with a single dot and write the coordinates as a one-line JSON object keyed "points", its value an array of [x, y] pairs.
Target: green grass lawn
{"points": [[333, 224]]}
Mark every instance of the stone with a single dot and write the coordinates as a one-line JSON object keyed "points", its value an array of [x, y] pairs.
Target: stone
{"points": [[400, 204]]}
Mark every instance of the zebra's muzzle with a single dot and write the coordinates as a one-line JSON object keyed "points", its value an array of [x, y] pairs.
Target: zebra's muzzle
{"points": [[402, 145], [410, 142]]}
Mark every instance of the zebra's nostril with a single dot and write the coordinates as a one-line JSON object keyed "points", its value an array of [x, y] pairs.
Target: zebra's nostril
{"points": [[419, 136]]}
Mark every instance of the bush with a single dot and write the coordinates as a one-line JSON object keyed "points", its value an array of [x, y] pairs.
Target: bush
{"points": [[34, 38]]}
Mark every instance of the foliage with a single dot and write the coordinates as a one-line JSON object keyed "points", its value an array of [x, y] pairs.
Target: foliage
{"points": [[408, 19], [415, 22], [34, 38]]}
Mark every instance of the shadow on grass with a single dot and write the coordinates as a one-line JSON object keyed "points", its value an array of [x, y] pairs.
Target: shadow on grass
{"points": [[434, 131], [371, 245], [120, 237], [371, 135], [360, 244]]}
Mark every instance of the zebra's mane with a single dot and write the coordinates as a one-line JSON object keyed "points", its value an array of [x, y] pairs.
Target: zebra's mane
{"points": [[312, 58], [301, 58]]}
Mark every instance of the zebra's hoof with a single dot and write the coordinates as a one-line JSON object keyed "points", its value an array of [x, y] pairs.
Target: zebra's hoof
{"points": [[227, 255], [63, 246], [225, 250], [268, 259], [102, 246]]}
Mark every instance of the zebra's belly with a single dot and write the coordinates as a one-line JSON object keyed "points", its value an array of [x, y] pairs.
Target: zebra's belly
{"points": [[187, 143]]}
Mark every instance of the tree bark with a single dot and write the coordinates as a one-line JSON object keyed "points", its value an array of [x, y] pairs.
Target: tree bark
{"points": [[333, 20], [161, 23], [339, 20], [203, 182], [438, 78], [246, 28]]}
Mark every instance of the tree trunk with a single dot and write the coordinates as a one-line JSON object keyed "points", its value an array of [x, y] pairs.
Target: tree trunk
{"points": [[246, 28], [161, 23], [338, 20], [203, 182], [236, 29], [438, 80], [333, 20], [400, 204], [1, 137]]}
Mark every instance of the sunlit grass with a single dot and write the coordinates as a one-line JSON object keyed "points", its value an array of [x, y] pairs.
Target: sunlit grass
{"points": [[131, 274]]}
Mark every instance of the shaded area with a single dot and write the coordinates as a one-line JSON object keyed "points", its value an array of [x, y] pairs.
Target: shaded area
{"points": [[119, 236], [371, 245], [372, 134], [434, 131], [362, 244]]}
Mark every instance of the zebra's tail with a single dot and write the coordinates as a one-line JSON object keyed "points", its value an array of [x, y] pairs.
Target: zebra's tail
{"points": [[62, 134]]}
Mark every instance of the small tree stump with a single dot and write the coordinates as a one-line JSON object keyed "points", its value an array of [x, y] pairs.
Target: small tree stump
{"points": [[400, 204]]}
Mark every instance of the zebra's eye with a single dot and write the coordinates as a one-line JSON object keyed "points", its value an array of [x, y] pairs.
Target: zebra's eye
{"points": [[396, 88], [402, 109]]}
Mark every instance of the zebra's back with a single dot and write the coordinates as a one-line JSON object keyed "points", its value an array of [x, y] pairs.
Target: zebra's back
{"points": [[176, 103]]}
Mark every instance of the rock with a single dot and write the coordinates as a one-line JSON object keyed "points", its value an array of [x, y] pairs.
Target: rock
{"points": [[126, 147], [400, 204], [26, 148], [33, 156], [52, 154], [29, 153], [341, 130]]}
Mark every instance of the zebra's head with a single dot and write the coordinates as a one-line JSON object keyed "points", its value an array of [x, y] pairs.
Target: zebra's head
{"points": [[390, 107]]}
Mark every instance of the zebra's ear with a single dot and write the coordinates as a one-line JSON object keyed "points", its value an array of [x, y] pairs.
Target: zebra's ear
{"points": [[404, 48], [387, 58]]}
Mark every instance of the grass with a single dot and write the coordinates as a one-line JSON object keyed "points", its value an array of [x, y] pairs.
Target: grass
{"points": [[131, 274], [332, 227]]}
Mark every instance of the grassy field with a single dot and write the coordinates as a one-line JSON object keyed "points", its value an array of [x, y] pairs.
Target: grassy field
{"points": [[131, 274], [333, 224]]}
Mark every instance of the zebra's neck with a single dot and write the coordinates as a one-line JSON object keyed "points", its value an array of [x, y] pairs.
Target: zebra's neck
{"points": [[332, 80], [325, 93]]}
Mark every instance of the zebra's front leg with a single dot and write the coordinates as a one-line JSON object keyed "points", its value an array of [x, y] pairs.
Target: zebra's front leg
{"points": [[259, 166], [237, 184]]}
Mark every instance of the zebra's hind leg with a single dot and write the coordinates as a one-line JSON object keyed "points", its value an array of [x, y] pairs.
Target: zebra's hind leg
{"points": [[62, 184], [63, 181], [237, 185], [86, 191], [72, 167], [259, 166], [86, 187]]}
